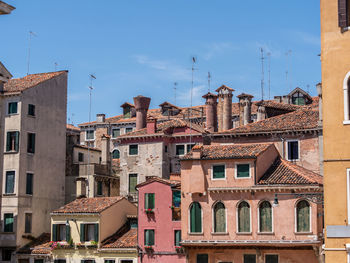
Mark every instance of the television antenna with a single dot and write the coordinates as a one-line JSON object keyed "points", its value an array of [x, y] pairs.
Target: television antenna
{"points": [[31, 34], [175, 88], [262, 73], [288, 54], [269, 69], [209, 79], [92, 77]]}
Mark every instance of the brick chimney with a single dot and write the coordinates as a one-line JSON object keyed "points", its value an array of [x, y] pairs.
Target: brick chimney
{"points": [[100, 118], [261, 115], [105, 149], [141, 106], [224, 108], [245, 108], [211, 111], [151, 125]]}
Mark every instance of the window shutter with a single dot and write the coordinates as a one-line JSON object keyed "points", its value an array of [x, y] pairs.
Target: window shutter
{"points": [[17, 141], [342, 14], [96, 232], [8, 142], [67, 233], [151, 201], [196, 218], [243, 217], [82, 261], [303, 217], [146, 237], [82, 232], [265, 217], [219, 218], [177, 237], [146, 201], [151, 237], [54, 232]]}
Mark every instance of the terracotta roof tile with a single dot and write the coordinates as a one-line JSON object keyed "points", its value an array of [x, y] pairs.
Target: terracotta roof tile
{"points": [[123, 238], [234, 151], [283, 172], [72, 127], [88, 205], [16, 85], [278, 105], [40, 245], [152, 179], [87, 147]]}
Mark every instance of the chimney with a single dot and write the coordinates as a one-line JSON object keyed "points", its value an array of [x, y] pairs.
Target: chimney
{"points": [[100, 118], [224, 108], [141, 106], [105, 151], [261, 113], [151, 125], [319, 93], [245, 108], [211, 112]]}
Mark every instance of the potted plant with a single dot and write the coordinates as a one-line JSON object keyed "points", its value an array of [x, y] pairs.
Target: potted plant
{"points": [[149, 248], [149, 211]]}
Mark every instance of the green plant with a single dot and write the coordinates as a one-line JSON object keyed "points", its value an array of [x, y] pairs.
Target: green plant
{"points": [[94, 243], [70, 242]]}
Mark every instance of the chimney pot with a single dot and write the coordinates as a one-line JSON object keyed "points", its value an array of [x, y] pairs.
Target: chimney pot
{"points": [[100, 117], [141, 106], [151, 126], [245, 108], [211, 112]]}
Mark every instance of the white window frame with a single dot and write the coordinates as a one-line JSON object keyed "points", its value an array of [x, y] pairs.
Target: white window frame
{"points": [[185, 149], [346, 98], [240, 178], [132, 129], [138, 148], [272, 221], [296, 218], [86, 132], [15, 183], [120, 132], [348, 193], [138, 181], [189, 219], [212, 171], [213, 218], [115, 259], [132, 259], [287, 147], [8, 105], [250, 218]]}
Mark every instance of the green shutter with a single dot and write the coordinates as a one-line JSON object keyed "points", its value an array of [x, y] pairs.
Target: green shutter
{"points": [[219, 218], [132, 183], [243, 170], [96, 232], [116, 154], [146, 238], [265, 217], [196, 218], [151, 201], [271, 258], [303, 216], [99, 188], [177, 237], [67, 233], [17, 141], [82, 232], [8, 142], [218, 171], [133, 149], [54, 232], [243, 217], [151, 237]]}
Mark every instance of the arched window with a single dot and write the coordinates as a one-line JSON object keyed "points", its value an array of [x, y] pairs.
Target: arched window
{"points": [[346, 89], [219, 217], [116, 154], [243, 217], [195, 218], [265, 217], [303, 216]]}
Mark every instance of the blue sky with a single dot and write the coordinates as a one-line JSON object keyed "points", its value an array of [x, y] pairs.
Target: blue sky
{"points": [[143, 47]]}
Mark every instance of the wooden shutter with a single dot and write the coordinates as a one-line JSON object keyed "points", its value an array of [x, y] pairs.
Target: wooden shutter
{"points": [[151, 237], [67, 233], [82, 232], [54, 232], [243, 217], [146, 238], [8, 142], [342, 13], [265, 217], [177, 237], [29, 185], [196, 218], [96, 232], [17, 141], [242, 170], [303, 216], [151, 201], [219, 218], [132, 183]]}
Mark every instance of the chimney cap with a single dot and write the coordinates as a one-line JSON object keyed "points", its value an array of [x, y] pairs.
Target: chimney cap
{"points": [[209, 95], [245, 95], [224, 87]]}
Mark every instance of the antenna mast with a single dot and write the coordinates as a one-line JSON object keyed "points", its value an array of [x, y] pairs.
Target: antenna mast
{"points": [[262, 73], [193, 62], [175, 85], [92, 77], [31, 33], [269, 64], [56, 66], [289, 52], [209, 78]]}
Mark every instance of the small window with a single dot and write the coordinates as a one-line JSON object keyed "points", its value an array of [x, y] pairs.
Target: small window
{"points": [[6, 254], [271, 258], [176, 198], [176, 206], [90, 135], [8, 222], [31, 110], [28, 223], [149, 201], [243, 170], [126, 261], [12, 108], [195, 218], [115, 133], [10, 182], [132, 183], [60, 232], [88, 261], [202, 258], [219, 171], [219, 218], [127, 130], [12, 141], [31, 143], [177, 238], [133, 149], [189, 147], [166, 148], [99, 188], [149, 237], [243, 217], [293, 150], [303, 216], [81, 157], [115, 154], [89, 232], [249, 258], [109, 261], [29, 184], [180, 149]]}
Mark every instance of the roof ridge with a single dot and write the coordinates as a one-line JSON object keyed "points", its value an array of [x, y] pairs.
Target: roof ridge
{"points": [[294, 167]]}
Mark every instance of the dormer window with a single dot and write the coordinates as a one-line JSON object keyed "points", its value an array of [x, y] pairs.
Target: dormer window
{"points": [[128, 110], [169, 109]]}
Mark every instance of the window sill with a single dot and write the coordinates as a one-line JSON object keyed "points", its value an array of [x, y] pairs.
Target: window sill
{"points": [[346, 122], [303, 233], [243, 233], [31, 116], [344, 29], [266, 233], [7, 233], [218, 179], [219, 233], [11, 114], [196, 234], [30, 154], [10, 152], [12, 194], [239, 178]]}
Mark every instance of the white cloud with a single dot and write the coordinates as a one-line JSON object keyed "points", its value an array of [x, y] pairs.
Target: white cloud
{"points": [[197, 93]]}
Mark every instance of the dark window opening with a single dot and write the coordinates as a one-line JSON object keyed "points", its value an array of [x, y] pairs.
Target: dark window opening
{"points": [[8, 223], [115, 154], [31, 110], [133, 149], [12, 108], [180, 149], [12, 141], [10, 182], [31, 143], [29, 184], [80, 157], [28, 223], [293, 150]]}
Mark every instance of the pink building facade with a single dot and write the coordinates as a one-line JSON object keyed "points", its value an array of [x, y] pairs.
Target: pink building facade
{"points": [[243, 203], [159, 221]]}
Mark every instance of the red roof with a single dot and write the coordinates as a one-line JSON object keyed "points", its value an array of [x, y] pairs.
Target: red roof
{"points": [[38, 246], [17, 85], [72, 127], [123, 238], [159, 180]]}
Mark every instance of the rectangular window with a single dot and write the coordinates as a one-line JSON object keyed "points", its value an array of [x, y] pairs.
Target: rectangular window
{"points": [[31, 110], [28, 223], [293, 150], [12, 141], [180, 149], [90, 135], [88, 261], [6, 254], [243, 170], [126, 261], [132, 183], [99, 188], [128, 130], [189, 147], [176, 206], [202, 258], [149, 200], [109, 261], [60, 232], [343, 13], [23, 260], [59, 261], [29, 184], [89, 232], [271, 258], [38, 260], [115, 133], [12, 108], [133, 149], [31, 143], [149, 237], [10, 182], [219, 171], [8, 222], [80, 157], [249, 258], [177, 238]]}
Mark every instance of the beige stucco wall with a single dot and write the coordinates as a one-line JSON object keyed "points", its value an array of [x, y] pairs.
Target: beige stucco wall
{"points": [[94, 155]]}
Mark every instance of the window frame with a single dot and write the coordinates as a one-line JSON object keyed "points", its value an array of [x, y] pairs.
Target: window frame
{"points": [[244, 254], [14, 183], [86, 230], [287, 152], [29, 110], [13, 222], [237, 218], [175, 231], [189, 219], [346, 91], [128, 128], [129, 259], [80, 154], [8, 108], [273, 254], [236, 171], [154, 236], [213, 218], [115, 129], [86, 134], [212, 171], [31, 139], [129, 150], [296, 217], [146, 203], [113, 154], [178, 144], [272, 219], [137, 182], [17, 139], [31, 222], [32, 183]]}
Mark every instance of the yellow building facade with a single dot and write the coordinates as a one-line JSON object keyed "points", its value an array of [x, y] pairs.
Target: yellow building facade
{"points": [[335, 58]]}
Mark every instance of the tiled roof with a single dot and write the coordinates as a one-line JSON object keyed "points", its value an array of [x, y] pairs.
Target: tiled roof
{"points": [[303, 119], [40, 245], [72, 127], [123, 238], [283, 172], [88, 205], [278, 105], [16, 85], [159, 180], [232, 151], [86, 147], [164, 127]]}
